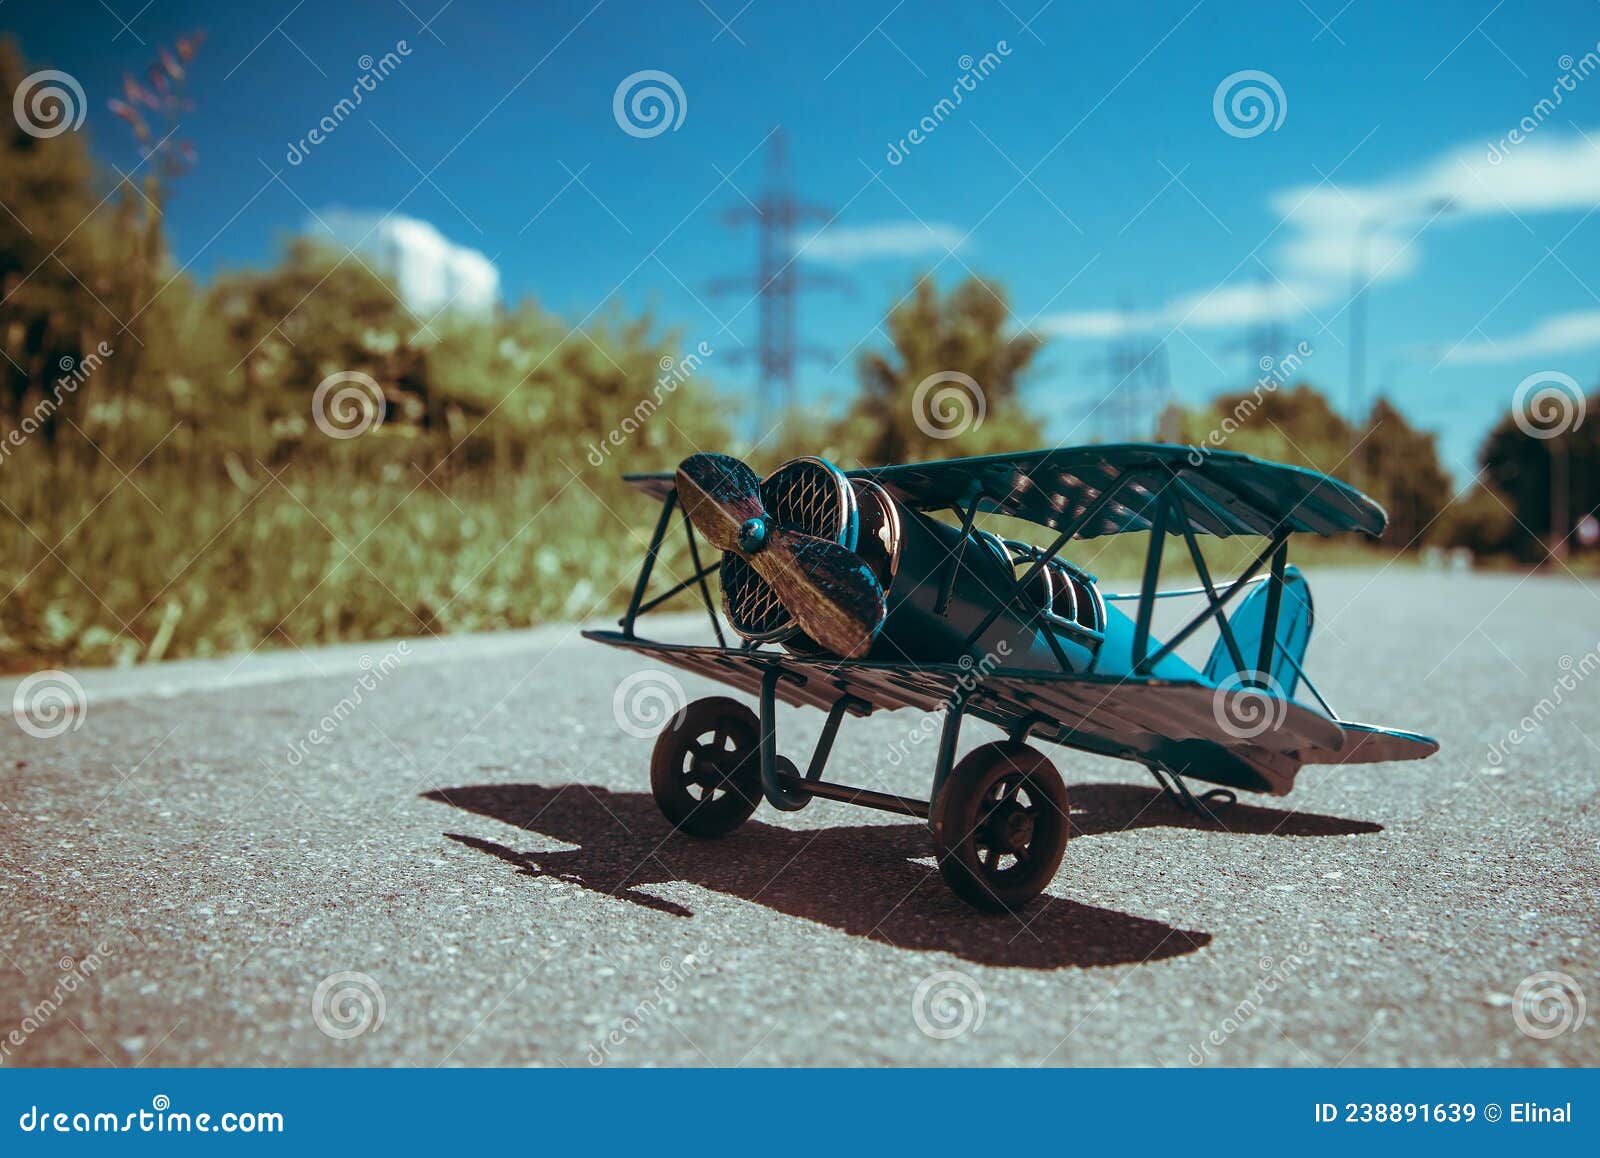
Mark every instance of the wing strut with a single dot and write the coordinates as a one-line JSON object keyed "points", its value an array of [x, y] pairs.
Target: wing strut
{"points": [[1092, 512], [636, 602], [1204, 573], [1216, 609], [947, 584]]}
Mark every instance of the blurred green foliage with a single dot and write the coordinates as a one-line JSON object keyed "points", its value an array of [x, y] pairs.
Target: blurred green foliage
{"points": [[165, 489], [1516, 510], [936, 339], [1386, 456]]}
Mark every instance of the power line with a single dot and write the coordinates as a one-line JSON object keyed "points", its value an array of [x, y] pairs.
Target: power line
{"points": [[776, 281], [1138, 388]]}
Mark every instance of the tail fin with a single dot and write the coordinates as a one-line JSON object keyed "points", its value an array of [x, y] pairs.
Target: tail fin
{"points": [[1249, 625]]}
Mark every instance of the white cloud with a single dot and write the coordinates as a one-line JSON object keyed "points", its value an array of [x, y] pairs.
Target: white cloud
{"points": [[431, 272], [1229, 305], [1559, 334], [1244, 305], [1386, 253], [1551, 172], [843, 244], [1327, 226], [1092, 323]]}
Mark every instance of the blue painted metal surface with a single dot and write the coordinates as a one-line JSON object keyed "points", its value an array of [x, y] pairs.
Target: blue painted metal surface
{"points": [[1229, 494], [1132, 697], [1249, 624]]}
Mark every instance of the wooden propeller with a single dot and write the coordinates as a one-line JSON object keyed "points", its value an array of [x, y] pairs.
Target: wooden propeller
{"points": [[832, 594]]}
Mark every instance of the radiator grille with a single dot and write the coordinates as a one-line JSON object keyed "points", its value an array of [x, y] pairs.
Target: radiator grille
{"points": [[805, 494]]}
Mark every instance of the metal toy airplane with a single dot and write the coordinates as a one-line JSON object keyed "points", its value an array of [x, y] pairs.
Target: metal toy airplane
{"points": [[849, 596]]}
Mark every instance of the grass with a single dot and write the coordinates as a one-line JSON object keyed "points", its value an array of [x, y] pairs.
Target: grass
{"points": [[182, 561], [178, 562]]}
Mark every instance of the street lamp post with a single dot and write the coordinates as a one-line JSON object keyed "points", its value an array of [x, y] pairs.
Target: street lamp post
{"points": [[1359, 247], [1559, 494], [1360, 244]]}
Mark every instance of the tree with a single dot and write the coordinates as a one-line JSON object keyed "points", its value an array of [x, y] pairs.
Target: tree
{"points": [[1393, 461], [950, 384], [1525, 467], [77, 312], [1399, 466], [316, 313], [1297, 426], [52, 261], [1481, 522]]}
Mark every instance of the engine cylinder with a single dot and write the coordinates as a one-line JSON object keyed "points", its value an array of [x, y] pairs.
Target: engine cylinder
{"points": [[913, 556]]}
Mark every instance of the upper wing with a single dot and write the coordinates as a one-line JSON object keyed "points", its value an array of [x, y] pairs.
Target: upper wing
{"points": [[1223, 493]]}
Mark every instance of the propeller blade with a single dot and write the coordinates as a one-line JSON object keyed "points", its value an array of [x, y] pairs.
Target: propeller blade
{"points": [[832, 594], [720, 494]]}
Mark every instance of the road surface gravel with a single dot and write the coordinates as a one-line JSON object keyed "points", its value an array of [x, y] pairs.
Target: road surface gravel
{"points": [[216, 864]]}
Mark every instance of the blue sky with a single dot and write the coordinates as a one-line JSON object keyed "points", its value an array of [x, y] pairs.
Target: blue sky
{"points": [[1087, 172]]}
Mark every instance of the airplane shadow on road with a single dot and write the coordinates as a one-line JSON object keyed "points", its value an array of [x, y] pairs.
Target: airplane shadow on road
{"points": [[860, 879]]}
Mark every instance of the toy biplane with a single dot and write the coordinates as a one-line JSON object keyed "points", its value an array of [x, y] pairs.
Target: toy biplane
{"points": [[850, 596]]}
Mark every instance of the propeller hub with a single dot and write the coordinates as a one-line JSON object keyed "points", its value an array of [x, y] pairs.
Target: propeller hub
{"points": [[752, 535], [832, 595]]}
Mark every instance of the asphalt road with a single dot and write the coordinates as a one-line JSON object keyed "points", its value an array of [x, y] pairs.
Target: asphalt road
{"points": [[472, 852]]}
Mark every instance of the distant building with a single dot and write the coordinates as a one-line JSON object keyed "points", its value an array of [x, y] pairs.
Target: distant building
{"points": [[432, 273]]}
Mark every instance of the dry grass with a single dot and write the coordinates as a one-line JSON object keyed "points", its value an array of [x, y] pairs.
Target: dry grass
{"points": [[178, 562], [182, 561]]}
